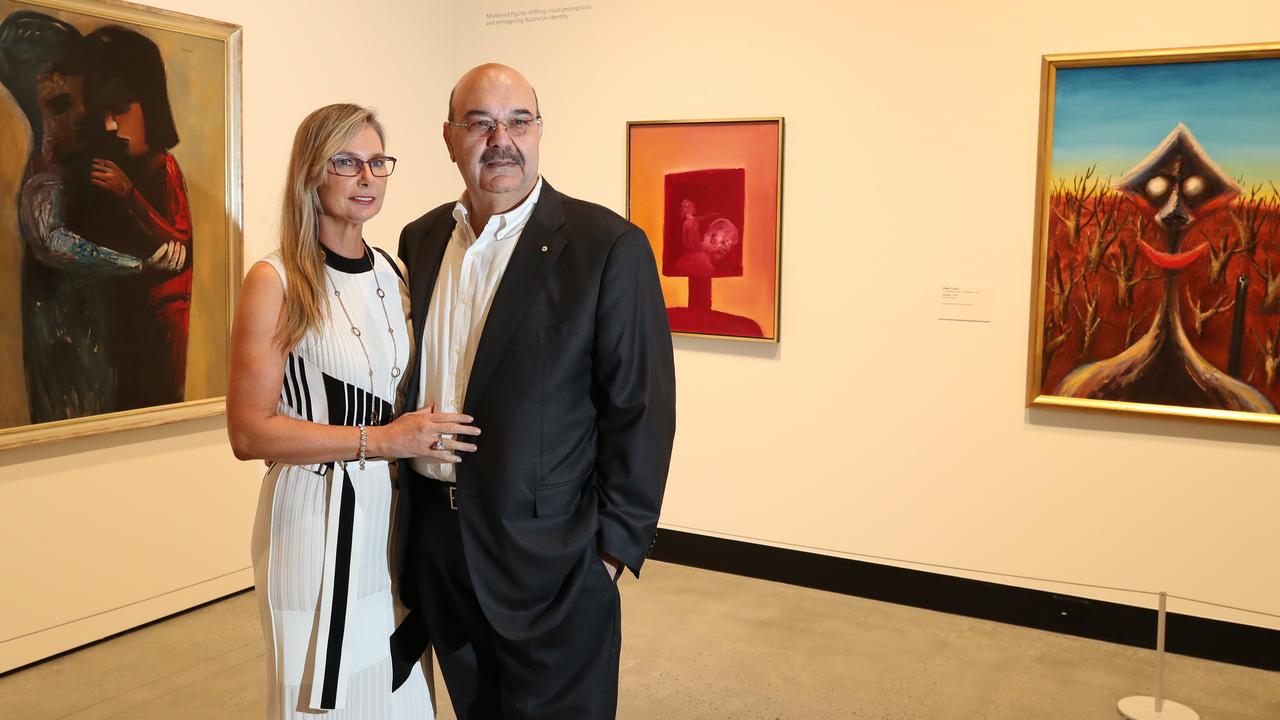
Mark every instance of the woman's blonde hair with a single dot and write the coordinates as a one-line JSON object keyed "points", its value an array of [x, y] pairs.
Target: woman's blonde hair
{"points": [[320, 136]]}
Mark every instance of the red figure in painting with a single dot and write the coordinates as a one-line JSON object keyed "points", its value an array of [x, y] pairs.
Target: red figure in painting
{"points": [[1176, 185], [142, 197], [705, 246]]}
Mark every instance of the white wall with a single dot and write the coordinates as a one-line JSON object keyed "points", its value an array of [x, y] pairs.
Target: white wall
{"points": [[872, 428]]}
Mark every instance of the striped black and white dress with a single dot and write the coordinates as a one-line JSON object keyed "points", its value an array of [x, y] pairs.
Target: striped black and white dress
{"points": [[320, 540]]}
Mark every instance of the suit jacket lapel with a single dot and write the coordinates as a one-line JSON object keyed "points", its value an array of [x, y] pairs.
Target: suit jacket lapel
{"points": [[425, 270], [536, 251]]}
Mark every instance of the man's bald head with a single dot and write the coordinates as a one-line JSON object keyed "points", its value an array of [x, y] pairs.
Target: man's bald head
{"points": [[490, 72]]}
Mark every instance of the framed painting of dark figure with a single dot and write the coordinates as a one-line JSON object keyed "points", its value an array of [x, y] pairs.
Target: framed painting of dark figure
{"points": [[120, 214], [708, 193], [1156, 282]]}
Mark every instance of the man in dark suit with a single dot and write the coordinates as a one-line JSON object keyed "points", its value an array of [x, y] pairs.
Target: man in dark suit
{"points": [[541, 317]]}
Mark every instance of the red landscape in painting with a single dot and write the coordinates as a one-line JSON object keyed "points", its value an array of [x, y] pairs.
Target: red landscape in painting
{"points": [[1101, 293]]}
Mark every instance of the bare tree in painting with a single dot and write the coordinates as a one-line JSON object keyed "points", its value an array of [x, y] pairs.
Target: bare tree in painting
{"points": [[1054, 337], [1057, 328], [1201, 316], [1251, 214], [1271, 297], [1123, 263], [1062, 285], [1074, 202], [1269, 344], [1220, 257], [1089, 319], [1105, 212]]}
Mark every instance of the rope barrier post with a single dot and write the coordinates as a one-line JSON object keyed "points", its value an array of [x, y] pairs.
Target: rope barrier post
{"points": [[1145, 707], [1160, 627]]}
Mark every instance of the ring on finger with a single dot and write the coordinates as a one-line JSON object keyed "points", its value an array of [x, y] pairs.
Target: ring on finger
{"points": [[439, 445]]}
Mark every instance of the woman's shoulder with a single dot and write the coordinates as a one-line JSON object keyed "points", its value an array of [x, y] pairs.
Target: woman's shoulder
{"points": [[263, 289], [275, 261]]}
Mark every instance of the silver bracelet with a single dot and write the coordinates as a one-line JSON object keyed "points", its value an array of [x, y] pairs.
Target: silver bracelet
{"points": [[364, 445]]}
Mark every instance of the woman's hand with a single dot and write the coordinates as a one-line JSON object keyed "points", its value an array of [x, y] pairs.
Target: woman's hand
{"points": [[414, 434], [169, 257], [108, 176]]}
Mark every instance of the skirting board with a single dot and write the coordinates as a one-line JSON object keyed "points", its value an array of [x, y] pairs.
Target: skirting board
{"points": [[25, 650], [1095, 619]]}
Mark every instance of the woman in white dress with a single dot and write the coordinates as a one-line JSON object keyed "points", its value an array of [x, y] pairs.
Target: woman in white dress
{"points": [[320, 348]]}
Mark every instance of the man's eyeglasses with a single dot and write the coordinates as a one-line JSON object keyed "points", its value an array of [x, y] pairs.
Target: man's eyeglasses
{"points": [[515, 127], [348, 166]]}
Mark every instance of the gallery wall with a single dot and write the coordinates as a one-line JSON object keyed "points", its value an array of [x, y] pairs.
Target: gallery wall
{"points": [[872, 429]]}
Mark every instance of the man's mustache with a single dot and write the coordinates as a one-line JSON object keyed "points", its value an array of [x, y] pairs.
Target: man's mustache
{"points": [[502, 153]]}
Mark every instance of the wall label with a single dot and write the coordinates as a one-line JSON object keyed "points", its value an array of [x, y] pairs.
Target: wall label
{"points": [[965, 302], [534, 15]]}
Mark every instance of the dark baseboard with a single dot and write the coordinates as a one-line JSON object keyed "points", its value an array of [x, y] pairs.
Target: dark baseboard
{"points": [[1096, 619]]}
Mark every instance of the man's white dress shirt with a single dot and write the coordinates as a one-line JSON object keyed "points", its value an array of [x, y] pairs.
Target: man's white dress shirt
{"points": [[470, 273]]}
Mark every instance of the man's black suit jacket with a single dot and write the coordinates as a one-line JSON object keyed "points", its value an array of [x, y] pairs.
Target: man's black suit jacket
{"points": [[573, 388]]}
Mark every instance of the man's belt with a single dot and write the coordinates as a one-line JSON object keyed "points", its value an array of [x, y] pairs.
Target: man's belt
{"points": [[439, 491]]}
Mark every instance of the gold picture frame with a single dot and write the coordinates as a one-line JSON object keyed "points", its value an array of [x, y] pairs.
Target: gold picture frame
{"points": [[728, 174], [116, 298], [1156, 264]]}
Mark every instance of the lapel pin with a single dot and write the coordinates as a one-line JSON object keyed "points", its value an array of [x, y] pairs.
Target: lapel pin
{"points": [[544, 248]]}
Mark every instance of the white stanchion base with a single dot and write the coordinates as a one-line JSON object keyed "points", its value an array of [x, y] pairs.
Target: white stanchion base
{"points": [[1143, 707]]}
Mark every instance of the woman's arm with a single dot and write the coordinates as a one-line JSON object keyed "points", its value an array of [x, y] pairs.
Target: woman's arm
{"points": [[256, 373]]}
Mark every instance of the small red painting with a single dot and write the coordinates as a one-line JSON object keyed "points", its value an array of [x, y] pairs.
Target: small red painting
{"points": [[708, 195]]}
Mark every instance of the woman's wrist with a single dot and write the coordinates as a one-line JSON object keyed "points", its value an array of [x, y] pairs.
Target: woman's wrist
{"points": [[375, 441]]}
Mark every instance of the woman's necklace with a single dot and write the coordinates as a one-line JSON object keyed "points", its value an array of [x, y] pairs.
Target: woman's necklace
{"points": [[355, 330]]}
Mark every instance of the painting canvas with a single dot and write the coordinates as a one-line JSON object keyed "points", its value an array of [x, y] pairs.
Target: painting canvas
{"points": [[708, 194], [1157, 285], [119, 216]]}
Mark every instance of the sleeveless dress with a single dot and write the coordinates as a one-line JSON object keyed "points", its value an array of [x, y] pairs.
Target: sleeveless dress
{"points": [[321, 536]]}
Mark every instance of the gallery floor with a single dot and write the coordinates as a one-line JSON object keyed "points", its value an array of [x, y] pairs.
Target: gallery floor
{"points": [[696, 644]]}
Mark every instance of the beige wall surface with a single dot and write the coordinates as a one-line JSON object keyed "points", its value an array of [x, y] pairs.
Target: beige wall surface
{"points": [[871, 429]]}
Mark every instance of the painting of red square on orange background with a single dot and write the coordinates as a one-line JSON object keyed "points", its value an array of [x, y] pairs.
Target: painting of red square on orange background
{"points": [[708, 194]]}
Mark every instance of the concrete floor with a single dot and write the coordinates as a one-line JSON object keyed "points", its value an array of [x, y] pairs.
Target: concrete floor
{"points": [[696, 644]]}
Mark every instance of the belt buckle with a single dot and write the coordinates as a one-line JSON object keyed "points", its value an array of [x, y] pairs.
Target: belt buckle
{"points": [[453, 497]]}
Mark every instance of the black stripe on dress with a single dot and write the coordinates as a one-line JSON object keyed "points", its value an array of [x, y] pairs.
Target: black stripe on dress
{"points": [[341, 581], [350, 405], [294, 363], [335, 394], [286, 387], [306, 390]]}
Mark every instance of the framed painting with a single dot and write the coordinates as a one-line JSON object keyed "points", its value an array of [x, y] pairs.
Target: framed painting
{"points": [[120, 216], [708, 193], [1156, 282]]}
